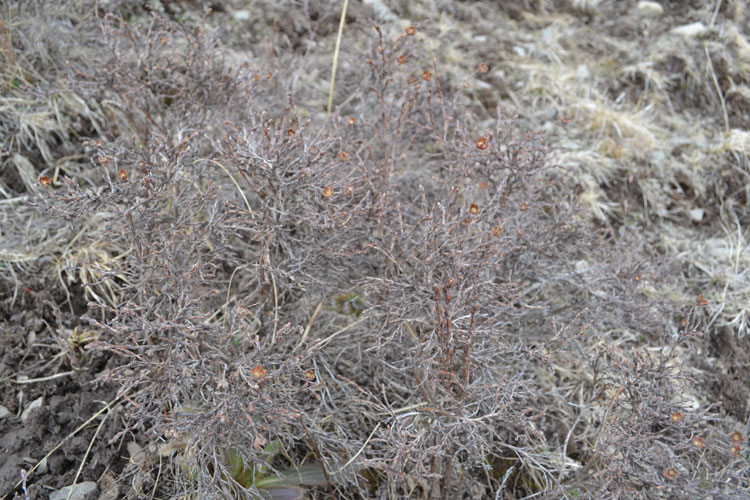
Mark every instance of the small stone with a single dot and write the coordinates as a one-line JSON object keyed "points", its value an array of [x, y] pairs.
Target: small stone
{"points": [[690, 30], [586, 5], [135, 451], [4, 412], [382, 11], [80, 492], [242, 15], [37, 403], [649, 9], [696, 214], [42, 468]]}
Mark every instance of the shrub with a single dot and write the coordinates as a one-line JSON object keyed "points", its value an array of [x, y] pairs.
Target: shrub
{"points": [[395, 296]]}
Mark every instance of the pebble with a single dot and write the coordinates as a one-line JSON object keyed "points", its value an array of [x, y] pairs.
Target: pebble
{"points": [[696, 214], [81, 491], [650, 9], [37, 403], [690, 30]]}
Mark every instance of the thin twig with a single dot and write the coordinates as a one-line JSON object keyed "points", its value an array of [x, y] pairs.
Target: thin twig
{"points": [[336, 56], [310, 323]]}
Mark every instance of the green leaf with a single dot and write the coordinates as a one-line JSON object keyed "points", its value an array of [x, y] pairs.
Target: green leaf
{"points": [[304, 475], [283, 493]]}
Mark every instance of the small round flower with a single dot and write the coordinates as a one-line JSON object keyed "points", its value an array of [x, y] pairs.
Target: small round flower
{"points": [[257, 78], [698, 442], [411, 31], [735, 450], [737, 437], [290, 132], [483, 185], [352, 120], [310, 375], [474, 209], [637, 277], [702, 301], [482, 143], [343, 156], [45, 181], [401, 59], [122, 175], [426, 75], [163, 39], [524, 206], [676, 416], [483, 68], [103, 160], [497, 231], [671, 473], [327, 192], [258, 372]]}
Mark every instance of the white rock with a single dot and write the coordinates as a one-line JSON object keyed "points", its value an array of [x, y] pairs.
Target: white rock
{"points": [[696, 214], [381, 10], [37, 403], [242, 15], [135, 451], [42, 467], [4, 412], [651, 9], [520, 51], [585, 5], [80, 492], [690, 30]]}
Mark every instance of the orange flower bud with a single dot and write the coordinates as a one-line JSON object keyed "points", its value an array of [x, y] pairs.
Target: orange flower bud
{"points": [[482, 143], [411, 31], [122, 175], [671, 473], [45, 181], [258, 372], [737, 437]]}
